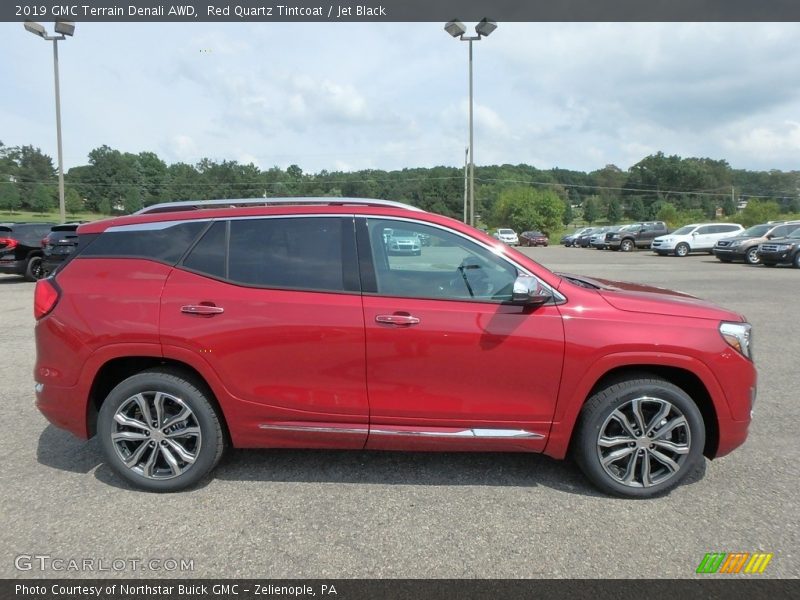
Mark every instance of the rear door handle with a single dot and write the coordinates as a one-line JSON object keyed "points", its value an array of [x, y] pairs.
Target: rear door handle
{"points": [[397, 319], [206, 310]]}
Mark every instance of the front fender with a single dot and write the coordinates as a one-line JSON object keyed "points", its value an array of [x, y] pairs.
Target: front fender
{"points": [[573, 396]]}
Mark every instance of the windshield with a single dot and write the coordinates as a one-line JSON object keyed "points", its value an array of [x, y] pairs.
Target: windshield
{"points": [[757, 231], [795, 234], [684, 230], [629, 227]]}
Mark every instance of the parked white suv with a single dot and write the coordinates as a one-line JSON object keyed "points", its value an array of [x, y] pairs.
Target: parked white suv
{"points": [[697, 237], [508, 236]]}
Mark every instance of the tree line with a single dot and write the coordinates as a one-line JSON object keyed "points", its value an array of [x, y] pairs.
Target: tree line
{"points": [[661, 187]]}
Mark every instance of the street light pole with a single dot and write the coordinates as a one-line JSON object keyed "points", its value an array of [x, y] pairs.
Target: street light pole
{"points": [[63, 28], [457, 30], [471, 145], [62, 207]]}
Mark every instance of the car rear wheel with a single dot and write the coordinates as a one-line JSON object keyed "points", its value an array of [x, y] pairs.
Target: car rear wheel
{"points": [[159, 431], [639, 437], [682, 249], [34, 270], [626, 245], [796, 261], [752, 257]]}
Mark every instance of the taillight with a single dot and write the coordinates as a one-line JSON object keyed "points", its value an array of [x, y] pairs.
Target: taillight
{"points": [[8, 243], [45, 298]]}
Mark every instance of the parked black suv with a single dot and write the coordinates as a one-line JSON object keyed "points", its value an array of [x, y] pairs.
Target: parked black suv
{"points": [[636, 235], [21, 249], [781, 250], [58, 245]]}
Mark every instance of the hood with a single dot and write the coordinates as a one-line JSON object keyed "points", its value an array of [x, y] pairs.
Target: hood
{"points": [[636, 297], [784, 240]]}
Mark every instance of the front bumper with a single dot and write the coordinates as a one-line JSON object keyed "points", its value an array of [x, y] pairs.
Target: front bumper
{"points": [[782, 256], [736, 253], [662, 246]]}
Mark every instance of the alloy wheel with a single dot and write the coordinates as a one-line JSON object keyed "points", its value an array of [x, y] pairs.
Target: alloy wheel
{"points": [[156, 435], [644, 442]]}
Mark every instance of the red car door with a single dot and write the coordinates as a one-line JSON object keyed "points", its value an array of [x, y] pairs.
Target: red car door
{"points": [[272, 306], [450, 363]]}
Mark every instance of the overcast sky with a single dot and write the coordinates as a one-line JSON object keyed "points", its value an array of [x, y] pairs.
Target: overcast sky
{"points": [[343, 96]]}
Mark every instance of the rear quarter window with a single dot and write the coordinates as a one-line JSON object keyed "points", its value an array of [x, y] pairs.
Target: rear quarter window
{"points": [[165, 244]]}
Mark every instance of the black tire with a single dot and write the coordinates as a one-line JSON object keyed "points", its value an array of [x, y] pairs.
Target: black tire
{"points": [[751, 257], [725, 260], [205, 448], [650, 394], [796, 261], [769, 263], [682, 249], [627, 245], [34, 269]]}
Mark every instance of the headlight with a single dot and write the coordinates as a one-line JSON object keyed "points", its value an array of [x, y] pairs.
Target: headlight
{"points": [[739, 337], [737, 243]]}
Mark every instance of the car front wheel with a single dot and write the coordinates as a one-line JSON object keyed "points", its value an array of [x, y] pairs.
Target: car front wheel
{"points": [[159, 431], [626, 245], [752, 257], [682, 249], [639, 437], [796, 261]]}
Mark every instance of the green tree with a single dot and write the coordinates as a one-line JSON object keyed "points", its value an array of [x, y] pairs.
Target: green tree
{"points": [[42, 199], [728, 206], [669, 214], [9, 196], [569, 214], [637, 210], [73, 201], [590, 210], [759, 211], [523, 208], [614, 211], [133, 200]]}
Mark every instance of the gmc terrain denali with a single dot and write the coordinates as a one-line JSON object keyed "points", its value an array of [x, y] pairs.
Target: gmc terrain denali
{"points": [[193, 326]]}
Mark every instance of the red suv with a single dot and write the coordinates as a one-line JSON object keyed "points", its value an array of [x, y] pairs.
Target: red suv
{"points": [[191, 327]]}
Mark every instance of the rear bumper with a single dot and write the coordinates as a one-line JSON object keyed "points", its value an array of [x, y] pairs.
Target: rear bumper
{"points": [[64, 407], [13, 267]]}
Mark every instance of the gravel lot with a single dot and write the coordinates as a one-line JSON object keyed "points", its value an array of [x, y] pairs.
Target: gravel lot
{"points": [[305, 514]]}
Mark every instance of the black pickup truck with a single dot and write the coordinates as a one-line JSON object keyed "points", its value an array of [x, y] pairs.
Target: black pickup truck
{"points": [[635, 235]]}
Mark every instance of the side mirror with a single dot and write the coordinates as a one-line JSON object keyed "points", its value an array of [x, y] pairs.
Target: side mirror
{"points": [[528, 291], [694, 233], [770, 236]]}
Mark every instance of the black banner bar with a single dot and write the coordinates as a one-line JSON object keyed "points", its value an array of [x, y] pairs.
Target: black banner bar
{"points": [[401, 10], [709, 588]]}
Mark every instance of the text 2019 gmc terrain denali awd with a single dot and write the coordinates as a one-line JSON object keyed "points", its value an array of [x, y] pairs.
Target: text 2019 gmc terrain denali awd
{"points": [[190, 327]]}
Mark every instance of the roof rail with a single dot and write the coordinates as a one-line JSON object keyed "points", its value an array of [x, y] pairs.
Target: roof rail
{"points": [[201, 204]]}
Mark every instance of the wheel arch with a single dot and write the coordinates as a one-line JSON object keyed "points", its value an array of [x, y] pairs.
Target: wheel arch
{"points": [[116, 370], [684, 379], [689, 375]]}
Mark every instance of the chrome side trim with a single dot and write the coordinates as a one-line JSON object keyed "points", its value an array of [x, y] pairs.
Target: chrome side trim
{"points": [[314, 429], [485, 434]]}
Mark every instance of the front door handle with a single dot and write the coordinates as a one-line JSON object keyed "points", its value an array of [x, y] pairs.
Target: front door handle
{"points": [[397, 319], [205, 310]]}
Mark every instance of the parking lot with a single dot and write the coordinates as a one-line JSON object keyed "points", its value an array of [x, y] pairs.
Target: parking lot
{"points": [[322, 514]]}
